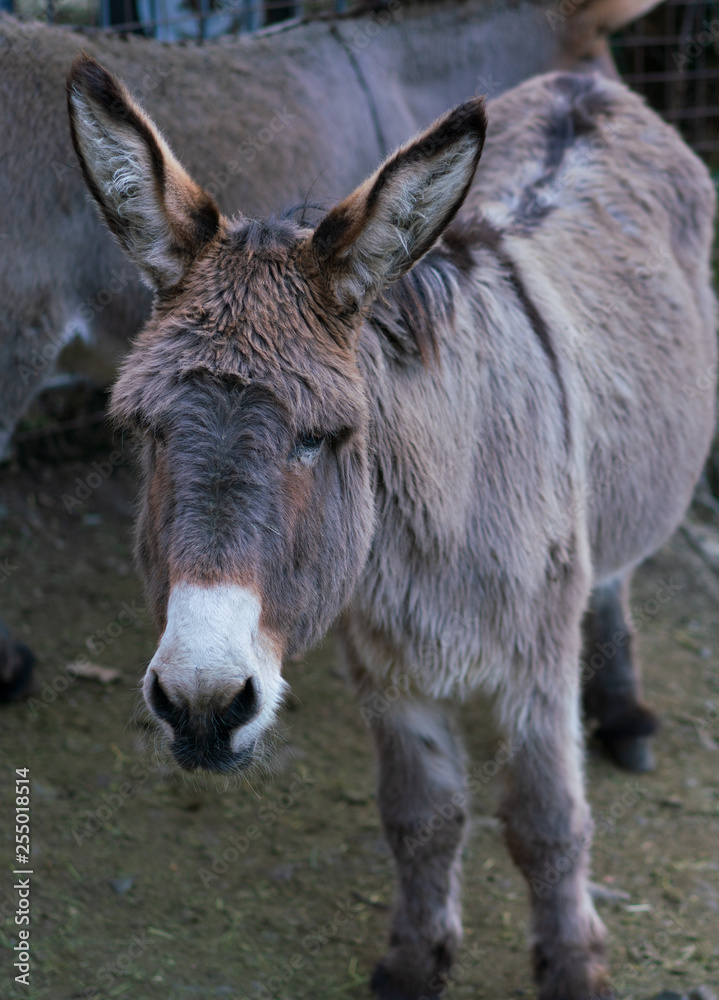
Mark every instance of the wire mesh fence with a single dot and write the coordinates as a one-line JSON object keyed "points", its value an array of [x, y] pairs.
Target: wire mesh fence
{"points": [[672, 57]]}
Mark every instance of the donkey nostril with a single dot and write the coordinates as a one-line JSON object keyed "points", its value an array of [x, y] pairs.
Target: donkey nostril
{"points": [[243, 707], [160, 703]]}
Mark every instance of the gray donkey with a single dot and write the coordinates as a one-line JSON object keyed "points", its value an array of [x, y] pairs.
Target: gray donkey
{"points": [[397, 419], [296, 114]]}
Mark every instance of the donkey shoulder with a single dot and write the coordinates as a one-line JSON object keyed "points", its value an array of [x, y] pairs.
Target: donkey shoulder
{"points": [[606, 216], [573, 143]]}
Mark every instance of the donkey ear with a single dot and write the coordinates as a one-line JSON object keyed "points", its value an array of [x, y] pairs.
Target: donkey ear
{"points": [[161, 218], [394, 217]]}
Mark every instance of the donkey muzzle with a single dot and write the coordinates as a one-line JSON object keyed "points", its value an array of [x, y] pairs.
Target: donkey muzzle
{"points": [[214, 684]]}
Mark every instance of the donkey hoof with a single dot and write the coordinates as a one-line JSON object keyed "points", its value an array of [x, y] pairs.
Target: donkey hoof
{"points": [[392, 984], [627, 738], [632, 753], [16, 666], [577, 974]]}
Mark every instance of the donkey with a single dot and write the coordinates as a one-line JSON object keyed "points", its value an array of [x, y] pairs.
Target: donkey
{"points": [[255, 124], [394, 420]]}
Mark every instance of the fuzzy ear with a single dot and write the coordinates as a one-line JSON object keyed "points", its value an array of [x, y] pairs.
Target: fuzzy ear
{"points": [[160, 217], [383, 228]]}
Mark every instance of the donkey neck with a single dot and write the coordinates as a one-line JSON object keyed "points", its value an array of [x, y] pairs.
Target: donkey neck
{"points": [[461, 391]]}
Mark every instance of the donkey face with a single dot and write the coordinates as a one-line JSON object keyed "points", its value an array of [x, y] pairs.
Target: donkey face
{"points": [[246, 389]]}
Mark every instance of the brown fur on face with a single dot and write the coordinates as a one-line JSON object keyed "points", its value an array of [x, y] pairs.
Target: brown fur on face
{"points": [[254, 374], [263, 416]]}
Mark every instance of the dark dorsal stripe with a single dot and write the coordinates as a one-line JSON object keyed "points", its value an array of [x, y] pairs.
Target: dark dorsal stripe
{"points": [[579, 106], [542, 333], [480, 231], [365, 88]]}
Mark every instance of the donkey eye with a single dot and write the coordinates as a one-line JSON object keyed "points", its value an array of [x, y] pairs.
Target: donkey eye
{"points": [[307, 447]]}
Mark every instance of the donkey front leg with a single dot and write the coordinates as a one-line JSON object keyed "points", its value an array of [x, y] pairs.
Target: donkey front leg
{"points": [[422, 800], [548, 830], [612, 685]]}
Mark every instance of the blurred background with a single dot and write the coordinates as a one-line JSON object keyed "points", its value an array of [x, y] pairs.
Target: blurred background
{"points": [[671, 55]]}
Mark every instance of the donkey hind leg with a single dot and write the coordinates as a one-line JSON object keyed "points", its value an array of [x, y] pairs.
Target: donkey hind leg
{"points": [[422, 802], [612, 688], [548, 831]]}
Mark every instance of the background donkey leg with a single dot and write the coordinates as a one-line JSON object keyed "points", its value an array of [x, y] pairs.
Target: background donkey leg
{"points": [[16, 663], [612, 686], [422, 800], [548, 831]]}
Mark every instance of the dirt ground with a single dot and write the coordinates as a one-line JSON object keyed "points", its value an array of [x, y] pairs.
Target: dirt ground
{"points": [[131, 896]]}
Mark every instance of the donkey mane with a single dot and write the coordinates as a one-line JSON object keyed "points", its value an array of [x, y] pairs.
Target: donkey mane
{"points": [[420, 306], [408, 314], [416, 312]]}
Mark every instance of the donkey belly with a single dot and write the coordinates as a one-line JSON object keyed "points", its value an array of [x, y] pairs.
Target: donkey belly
{"points": [[649, 448]]}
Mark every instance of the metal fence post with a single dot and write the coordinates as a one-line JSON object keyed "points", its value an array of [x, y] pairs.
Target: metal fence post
{"points": [[204, 12], [252, 15]]}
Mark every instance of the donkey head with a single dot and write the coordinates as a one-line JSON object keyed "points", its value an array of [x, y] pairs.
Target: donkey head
{"points": [[246, 393]]}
